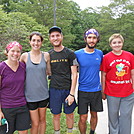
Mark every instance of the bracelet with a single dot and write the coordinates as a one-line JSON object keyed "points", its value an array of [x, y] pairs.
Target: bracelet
{"points": [[71, 95]]}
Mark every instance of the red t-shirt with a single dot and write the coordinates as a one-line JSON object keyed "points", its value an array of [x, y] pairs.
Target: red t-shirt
{"points": [[118, 74]]}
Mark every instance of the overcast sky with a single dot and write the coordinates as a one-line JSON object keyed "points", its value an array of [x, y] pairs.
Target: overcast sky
{"points": [[92, 3]]}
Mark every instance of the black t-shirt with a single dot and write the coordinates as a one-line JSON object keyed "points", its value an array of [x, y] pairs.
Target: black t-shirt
{"points": [[61, 63]]}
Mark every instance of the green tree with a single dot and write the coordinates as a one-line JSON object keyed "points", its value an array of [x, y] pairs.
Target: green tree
{"points": [[117, 18], [3, 20], [42, 12], [125, 17], [17, 26]]}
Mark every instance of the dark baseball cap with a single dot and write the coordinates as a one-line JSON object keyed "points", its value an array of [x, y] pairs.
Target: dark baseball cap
{"points": [[55, 28]]}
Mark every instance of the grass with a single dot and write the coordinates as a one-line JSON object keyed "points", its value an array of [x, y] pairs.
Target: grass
{"points": [[49, 128]]}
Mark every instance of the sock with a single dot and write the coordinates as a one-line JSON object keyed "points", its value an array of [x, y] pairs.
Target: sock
{"points": [[91, 131], [69, 130], [57, 132]]}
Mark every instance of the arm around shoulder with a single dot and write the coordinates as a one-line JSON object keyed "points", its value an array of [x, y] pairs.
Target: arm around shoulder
{"points": [[47, 59], [1, 113], [23, 57], [71, 97], [103, 82], [74, 79], [132, 77]]}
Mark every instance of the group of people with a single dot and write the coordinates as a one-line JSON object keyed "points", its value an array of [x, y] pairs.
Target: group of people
{"points": [[25, 96]]}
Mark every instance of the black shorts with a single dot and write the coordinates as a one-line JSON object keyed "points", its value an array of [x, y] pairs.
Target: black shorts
{"points": [[36, 105], [92, 99], [17, 118]]}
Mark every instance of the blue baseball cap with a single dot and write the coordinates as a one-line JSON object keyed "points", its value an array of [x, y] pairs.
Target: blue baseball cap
{"points": [[55, 28]]}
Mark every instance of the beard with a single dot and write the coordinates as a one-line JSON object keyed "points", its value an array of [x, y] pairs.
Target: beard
{"points": [[91, 47]]}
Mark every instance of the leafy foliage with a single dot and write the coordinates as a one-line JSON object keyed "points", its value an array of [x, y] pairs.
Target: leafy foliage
{"points": [[117, 18], [18, 18], [17, 26]]}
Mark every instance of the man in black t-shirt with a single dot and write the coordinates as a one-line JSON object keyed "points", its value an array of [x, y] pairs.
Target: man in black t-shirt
{"points": [[63, 80]]}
